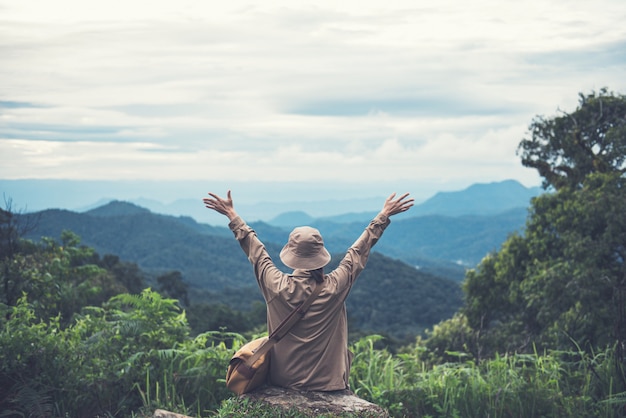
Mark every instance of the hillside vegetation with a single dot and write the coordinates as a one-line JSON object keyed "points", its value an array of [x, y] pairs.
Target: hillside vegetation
{"points": [[212, 266], [215, 269]]}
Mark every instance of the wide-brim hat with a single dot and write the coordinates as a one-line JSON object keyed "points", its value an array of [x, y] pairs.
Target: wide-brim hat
{"points": [[305, 249]]}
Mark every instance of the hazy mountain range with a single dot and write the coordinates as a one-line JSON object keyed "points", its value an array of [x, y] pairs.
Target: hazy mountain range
{"points": [[478, 199], [421, 257], [452, 230], [257, 201]]}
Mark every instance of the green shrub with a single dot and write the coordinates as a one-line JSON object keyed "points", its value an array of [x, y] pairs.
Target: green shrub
{"points": [[375, 373], [131, 354]]}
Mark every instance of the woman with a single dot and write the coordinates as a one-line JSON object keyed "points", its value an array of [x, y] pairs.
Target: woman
{"points": [[314, 354]]}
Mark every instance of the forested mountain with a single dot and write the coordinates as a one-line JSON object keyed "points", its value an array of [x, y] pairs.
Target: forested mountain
{"points": [[214, 266], [390, 298], [414, 261], [206, 254], [479, 199], [423, 256], [396, 299]]}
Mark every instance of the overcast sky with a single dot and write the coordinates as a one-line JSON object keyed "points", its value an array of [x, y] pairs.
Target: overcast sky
{"points": [[437, 92]]}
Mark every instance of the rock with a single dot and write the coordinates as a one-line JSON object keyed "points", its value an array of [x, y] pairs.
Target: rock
{"points": [[160, 413], [338, 403]]}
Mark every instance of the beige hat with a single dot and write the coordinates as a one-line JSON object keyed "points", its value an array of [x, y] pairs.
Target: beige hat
{"points": [[305, 249]]}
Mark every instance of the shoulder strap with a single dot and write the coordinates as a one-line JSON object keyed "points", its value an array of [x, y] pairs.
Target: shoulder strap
{"points": [[285, 326]]}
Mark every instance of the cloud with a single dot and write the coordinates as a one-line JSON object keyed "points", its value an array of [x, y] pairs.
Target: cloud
{"points": [[603, 56], [442, 157], [414, 106], [276, 90], [15, 105]]}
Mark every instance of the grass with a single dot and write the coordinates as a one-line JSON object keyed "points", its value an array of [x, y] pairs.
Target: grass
{"points": [[550, 384]]}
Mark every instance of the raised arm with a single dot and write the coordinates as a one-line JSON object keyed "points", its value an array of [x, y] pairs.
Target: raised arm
{"points": [[357, 255], [265, 271], [394, 206], [221, 205]]}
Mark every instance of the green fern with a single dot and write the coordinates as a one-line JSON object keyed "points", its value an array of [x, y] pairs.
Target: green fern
{"points": [[34, 403]]}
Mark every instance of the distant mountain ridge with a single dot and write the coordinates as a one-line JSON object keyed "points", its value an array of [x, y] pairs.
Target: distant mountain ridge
{"points": [[290, 219], [443, 232], [440, 244], [118, 208], [481, 199], [338, 201]]}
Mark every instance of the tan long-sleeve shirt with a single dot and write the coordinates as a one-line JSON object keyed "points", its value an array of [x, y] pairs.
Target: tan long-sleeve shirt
{"points": [[314, 354]]}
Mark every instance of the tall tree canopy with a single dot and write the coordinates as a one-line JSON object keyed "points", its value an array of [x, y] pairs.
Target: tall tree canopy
{"points": [[567, 148], [563, 281]]}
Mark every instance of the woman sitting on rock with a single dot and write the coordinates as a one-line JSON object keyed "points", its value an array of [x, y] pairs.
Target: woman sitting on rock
{"points": [[314, 354]]}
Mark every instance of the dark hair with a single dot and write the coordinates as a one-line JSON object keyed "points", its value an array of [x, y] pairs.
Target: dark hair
{"points": [[318, 274]]}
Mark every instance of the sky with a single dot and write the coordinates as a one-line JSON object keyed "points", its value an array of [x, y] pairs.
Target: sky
{"points": [[433, 94]]}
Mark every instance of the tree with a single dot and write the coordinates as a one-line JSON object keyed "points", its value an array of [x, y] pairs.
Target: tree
{"points": [[578, 246], [495, 304], [62, 278], [205, 317], [11, 243], [172, 285], [564, 280], [59, 278], [128, 274], [592, 139]]}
